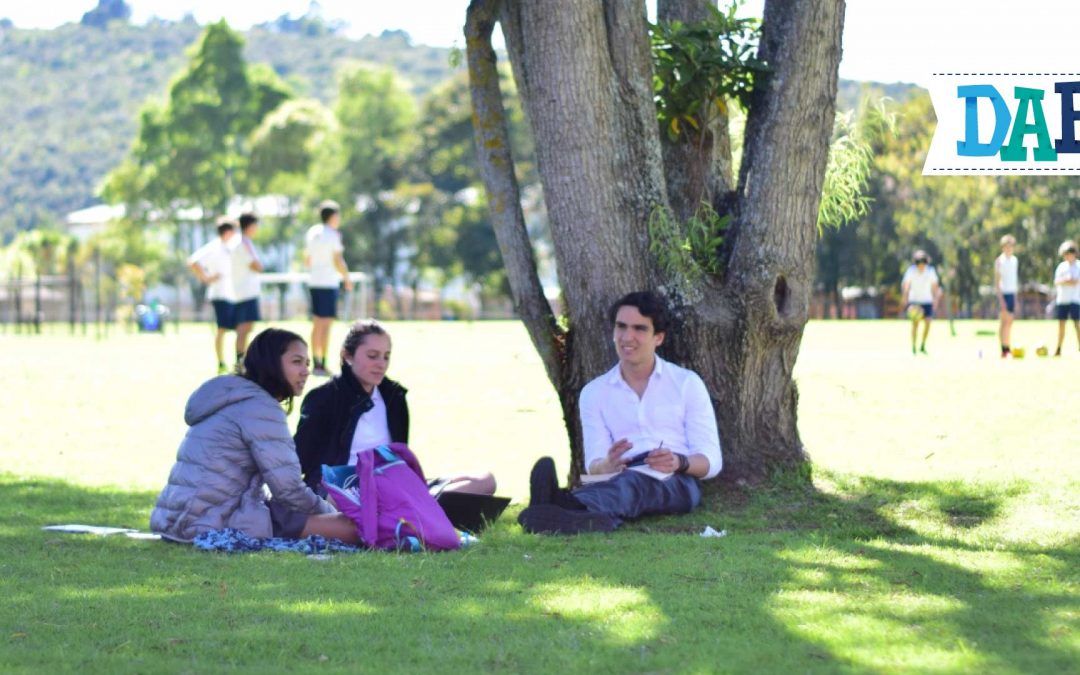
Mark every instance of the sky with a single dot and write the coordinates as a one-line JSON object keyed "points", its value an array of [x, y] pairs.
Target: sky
{"points": [[884, 40]]}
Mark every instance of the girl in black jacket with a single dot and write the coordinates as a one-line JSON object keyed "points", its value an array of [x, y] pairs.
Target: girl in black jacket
{"points": [[359, 409]]}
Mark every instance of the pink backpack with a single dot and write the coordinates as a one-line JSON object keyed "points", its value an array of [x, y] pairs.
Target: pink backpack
{"points": [[388, 499]]}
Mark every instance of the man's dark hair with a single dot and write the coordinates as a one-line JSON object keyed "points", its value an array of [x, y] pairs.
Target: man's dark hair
{"points": [[247, 220], [262, 363], [225, 225], [649, 304], [327, 209]]}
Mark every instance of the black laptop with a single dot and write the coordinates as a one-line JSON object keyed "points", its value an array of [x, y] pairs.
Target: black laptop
{"points": [[470, 512]]}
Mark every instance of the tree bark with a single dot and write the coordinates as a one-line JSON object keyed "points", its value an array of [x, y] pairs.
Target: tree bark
{"points": [[583, 71]]}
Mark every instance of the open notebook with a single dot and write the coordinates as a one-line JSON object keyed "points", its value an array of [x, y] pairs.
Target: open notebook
{"points": [[600, 477]]}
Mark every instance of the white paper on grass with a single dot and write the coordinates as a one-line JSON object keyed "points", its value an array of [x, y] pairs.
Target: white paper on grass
{"points": [[99, 530]]}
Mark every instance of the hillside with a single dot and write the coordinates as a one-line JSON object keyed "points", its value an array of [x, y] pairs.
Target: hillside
{"points": [[70, 97]]}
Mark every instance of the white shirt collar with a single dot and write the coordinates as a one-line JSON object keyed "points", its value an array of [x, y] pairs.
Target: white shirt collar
{"points": [[614, 376]]}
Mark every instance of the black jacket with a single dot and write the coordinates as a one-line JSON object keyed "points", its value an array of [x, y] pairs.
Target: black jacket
{"points": [[328, 418]]}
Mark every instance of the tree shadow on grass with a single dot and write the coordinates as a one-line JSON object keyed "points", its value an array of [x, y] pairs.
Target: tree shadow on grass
{"points": [[807, 580]]}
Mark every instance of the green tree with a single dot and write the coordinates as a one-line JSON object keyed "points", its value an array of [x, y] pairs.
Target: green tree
{"points": [[847, 196], [193, 149], [584, 73], [284, 149]]}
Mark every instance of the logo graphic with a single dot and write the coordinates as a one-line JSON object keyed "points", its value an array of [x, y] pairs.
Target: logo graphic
{"points": [[1005, 123]]}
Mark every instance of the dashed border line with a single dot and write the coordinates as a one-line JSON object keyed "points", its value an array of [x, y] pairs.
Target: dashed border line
{"points": [[1006, 170], [1006, 74]]}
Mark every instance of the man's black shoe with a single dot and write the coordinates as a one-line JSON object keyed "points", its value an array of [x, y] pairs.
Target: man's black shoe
{"points": [[543, 483], [544, 487], [552, 519]]}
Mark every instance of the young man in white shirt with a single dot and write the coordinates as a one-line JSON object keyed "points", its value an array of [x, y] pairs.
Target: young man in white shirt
{"points": [[921, 288], [1067, 289], [1007, 284], [245, 269], [647, 422], [326, 263], [212, 265]]}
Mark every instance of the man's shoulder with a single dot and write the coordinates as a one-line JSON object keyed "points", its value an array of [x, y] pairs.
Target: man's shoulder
{"points": [[679, 374]]}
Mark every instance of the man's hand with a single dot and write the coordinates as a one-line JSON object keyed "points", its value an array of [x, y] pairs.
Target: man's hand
{"points": [[348, 284], [662, 459], [613, 462]]}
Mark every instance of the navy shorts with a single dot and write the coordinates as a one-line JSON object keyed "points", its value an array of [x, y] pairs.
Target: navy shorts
{"points": [[1069, 311], [324, 302], [247, 311], [1010, 302], [286, 523], [225, 314]]}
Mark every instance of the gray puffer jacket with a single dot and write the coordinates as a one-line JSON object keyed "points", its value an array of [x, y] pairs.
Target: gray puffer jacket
{"points": [[238, 440]]}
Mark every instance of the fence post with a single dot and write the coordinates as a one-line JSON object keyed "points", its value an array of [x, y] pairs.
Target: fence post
{"points": [[37, 300], [17, 293], [71, 286], [97, 292]]}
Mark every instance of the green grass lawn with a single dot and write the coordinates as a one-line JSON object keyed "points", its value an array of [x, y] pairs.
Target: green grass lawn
{"points": [[942, 533]]}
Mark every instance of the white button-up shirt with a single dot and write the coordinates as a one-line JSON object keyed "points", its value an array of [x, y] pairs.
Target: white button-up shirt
{"points": [[675, 409]]}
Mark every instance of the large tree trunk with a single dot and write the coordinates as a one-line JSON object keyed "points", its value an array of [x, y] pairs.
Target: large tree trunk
{"points": [[583, 70]]}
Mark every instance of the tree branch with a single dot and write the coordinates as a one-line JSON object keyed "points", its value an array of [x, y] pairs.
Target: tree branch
{"points": [[504, 195], [774, 230]]}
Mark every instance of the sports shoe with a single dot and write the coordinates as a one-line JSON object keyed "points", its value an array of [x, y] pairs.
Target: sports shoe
{"points": [[222, 369], [320, 372], [552, 519]]}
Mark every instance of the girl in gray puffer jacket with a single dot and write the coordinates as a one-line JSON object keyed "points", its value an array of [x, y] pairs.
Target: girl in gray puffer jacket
{"points": [[238, 442]]}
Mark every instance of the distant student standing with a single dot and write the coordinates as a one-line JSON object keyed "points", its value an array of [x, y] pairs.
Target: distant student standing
{"points": [[327, 267], [212, 265], [1007, 284], [1067, 284], [920, 286], [246, 267]]}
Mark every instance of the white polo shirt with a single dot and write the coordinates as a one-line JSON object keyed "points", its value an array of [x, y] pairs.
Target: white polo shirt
{"points": [[1008, 269], [323, 243], [245, 279], [215, 257], [1067, 295], [921, 290], [675, 409]]}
